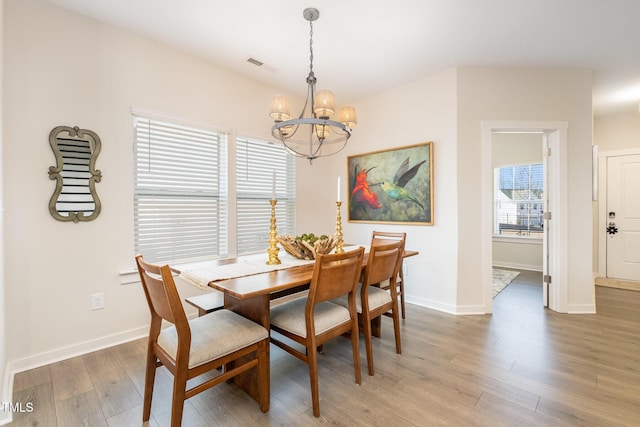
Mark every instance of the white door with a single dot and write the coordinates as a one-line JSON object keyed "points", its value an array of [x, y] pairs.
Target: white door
{"points": [[623, 217]]}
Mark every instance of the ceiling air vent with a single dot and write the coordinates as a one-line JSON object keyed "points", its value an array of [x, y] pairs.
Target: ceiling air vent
{"points": [[254, 62]]}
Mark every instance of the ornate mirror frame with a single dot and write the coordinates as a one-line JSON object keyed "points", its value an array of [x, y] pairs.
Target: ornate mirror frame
{"points": [[74, 198]]}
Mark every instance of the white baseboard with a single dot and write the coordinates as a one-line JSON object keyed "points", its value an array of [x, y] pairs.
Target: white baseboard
{"points": [[56, 355], [446, 308], [471, 310], [581, 309], [515, 266], [434, 305], [46, 358], [63, 353]]}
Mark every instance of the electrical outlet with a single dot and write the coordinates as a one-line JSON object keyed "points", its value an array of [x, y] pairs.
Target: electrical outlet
{"points": [[97, 301], [405, 270]]}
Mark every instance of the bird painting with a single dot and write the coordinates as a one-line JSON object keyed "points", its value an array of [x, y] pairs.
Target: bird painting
{"points": [[395, 189], [392, 185]]}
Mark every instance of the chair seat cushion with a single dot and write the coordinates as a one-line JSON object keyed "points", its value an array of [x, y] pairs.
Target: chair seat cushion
{"points": [[290, 316], [214, 335], [377, 298]]}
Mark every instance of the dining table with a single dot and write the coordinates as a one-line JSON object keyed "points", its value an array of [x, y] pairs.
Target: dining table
{"points": [[250, 287]]}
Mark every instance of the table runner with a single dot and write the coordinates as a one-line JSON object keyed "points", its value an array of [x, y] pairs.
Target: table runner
{"points": [[245, 266]]}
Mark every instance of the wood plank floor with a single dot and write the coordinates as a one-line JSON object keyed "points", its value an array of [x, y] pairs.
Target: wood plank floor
{"points": [[523, 365]]}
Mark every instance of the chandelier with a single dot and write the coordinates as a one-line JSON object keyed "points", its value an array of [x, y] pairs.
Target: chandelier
{"points": [[317, 134]]}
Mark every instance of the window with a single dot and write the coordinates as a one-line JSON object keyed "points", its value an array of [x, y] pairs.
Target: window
{"points": [[256, 164], [518, 197], [180, 191]]}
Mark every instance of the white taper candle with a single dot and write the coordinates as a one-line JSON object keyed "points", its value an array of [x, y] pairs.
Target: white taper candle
{"points": [[273, 186]]}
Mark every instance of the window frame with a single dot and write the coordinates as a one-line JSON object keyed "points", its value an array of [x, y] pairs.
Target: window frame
{"points": [[518, 230]]}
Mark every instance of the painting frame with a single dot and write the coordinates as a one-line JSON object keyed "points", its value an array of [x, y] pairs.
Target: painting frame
{"points": [[392, 186]]}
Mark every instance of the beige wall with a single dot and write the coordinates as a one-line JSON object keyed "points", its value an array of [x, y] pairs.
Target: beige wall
{"points": [[420, 111], [617, 132], [516, 148], [5, 393], [514, 94], [89, 75], [614, 135]]}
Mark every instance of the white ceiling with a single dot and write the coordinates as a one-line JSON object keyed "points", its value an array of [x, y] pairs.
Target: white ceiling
{"points": [[364, 46]]}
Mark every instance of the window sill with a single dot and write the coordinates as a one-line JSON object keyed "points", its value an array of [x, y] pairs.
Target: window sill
{"points": [[129, 277]]}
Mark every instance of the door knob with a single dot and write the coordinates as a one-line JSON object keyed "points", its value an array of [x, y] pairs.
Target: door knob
{"points": [[612, 229]]}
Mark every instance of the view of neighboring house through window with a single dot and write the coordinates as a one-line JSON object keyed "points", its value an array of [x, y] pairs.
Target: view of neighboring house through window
{"points": [[263, 170], [180, 191], [518, 198]]}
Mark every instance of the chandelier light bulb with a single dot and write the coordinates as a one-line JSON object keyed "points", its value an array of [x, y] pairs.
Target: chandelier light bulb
{"points": [[325, 105], [323, 132], [347, 116], [280, 110]]}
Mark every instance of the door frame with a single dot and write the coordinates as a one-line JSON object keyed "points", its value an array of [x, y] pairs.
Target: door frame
{"points": [[556, 135], [603, 157]]}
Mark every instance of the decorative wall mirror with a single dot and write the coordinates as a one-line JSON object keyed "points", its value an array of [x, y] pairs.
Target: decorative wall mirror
{"points": [[75, 198]]}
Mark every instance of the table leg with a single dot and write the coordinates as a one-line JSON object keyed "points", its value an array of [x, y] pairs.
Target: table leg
{"points": [[256, 309], [376, 326]]}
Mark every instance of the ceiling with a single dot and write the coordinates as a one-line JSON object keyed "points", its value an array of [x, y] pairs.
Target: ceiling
{"points": [[364, 46]]}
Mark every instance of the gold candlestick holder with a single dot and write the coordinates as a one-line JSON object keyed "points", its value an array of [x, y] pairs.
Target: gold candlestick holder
{"points": [[339, 248], [273, 247]]}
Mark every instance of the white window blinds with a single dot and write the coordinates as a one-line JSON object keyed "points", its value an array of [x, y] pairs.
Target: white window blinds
{"points": [[519, 200], [180, 191], [256, 163]]}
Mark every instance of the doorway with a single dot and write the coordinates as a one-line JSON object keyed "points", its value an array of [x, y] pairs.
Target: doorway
{"points": [[519, 200], [555, 221]]}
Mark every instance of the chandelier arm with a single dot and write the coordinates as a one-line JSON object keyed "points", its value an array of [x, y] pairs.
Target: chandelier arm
{"points": [[313, 155], [291, 151], [310, 94], [275, 131], [344, 144]]}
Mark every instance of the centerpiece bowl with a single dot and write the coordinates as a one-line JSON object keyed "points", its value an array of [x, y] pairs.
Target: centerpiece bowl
{"points": [[308, 246]]}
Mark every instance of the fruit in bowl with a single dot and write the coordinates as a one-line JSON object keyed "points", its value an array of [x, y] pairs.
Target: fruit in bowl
{"points": [[307, 246]]}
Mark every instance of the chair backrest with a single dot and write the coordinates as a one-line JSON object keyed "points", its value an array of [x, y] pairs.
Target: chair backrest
{"points": [[384, 237], [335, 275], [162, 296], [383, 262]]}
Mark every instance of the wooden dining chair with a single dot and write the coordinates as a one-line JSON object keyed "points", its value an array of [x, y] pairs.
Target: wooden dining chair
{"points": [[381, 237], [373, 302], [314, 320], [190, 348]]}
